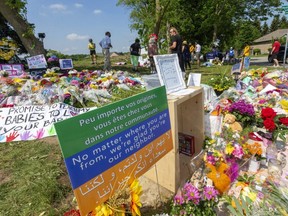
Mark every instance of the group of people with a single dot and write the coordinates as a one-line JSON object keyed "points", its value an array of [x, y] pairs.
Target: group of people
{"points": [[185, 53], [105, 44]]}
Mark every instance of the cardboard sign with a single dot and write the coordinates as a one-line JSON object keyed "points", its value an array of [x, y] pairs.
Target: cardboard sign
{"points": [[21, 123], [14, 70], [66, 64], [236, 68], [169, 72], [194, 79], [108, 147], [246, 63], [36, 62]]}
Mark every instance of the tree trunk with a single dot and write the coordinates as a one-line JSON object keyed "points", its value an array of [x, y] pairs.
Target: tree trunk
{"points": [[32, 44]]}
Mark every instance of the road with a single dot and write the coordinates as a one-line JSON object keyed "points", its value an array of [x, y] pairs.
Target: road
{"points": [[261, 61]]}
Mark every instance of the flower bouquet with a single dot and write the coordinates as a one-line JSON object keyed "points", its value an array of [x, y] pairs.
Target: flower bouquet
{"points": [[221, 82], [275, 123], [194, 201], [243, 111]]}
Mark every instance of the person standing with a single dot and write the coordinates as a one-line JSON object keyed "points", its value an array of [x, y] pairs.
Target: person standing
{"points": [[92, 49], [186, 55], [231, 56], [135, 51], [176, 46], [198, 53], [105, 44], [274, 52], [152, 50], [192, 51]]}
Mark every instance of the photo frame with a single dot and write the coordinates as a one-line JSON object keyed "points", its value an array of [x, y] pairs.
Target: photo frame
{"points": [[169, 72], [66, 64]]}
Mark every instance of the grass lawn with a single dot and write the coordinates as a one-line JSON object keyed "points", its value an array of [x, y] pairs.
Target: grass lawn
{"points": [[33, 177]]}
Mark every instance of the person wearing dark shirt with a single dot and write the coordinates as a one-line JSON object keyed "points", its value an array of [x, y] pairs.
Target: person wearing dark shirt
{"points": [[186, 55], [176, 46], [135, 51]]}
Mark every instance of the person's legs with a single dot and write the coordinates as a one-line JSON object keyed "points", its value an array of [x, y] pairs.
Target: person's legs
{"points": [[276, 63], [108, 60], [93, 56], [105, 52]]}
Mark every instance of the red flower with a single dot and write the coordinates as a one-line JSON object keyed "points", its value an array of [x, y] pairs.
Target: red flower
{"points": [[269, 124], [284, 120], [72, 212], [268, 113]]}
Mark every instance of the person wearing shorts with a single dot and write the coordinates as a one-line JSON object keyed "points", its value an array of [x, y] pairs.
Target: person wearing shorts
{"points": [[274, 52]]}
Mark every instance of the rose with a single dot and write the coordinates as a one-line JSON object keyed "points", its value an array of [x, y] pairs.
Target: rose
{"points": [[284, 120], [268, 113], [269, 124]]}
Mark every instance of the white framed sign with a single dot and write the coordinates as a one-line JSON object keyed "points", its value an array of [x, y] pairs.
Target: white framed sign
{"points": [[36, 62], [169, 72], [66, 64]]}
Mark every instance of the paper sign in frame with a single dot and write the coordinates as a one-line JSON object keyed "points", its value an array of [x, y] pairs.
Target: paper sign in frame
{"points": [[169, 72]]}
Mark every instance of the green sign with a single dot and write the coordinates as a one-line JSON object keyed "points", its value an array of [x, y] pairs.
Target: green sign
{"points": [[99, 124]]}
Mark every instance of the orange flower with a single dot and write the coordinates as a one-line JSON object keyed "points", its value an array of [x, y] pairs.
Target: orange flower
{"points": [[255, 149], [218, 176]]}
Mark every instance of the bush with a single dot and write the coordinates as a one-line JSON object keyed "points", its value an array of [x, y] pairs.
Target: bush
{"points": [[256, 51]]}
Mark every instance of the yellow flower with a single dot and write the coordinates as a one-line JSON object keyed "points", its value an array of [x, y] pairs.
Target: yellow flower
{"points": [[136, 191], [248, 193], [284, 104], [103, 210], [229, 148]]}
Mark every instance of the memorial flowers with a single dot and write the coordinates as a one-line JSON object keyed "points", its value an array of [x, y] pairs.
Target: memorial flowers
{"points": [[243, 111], [125, 200], [221, 82], [194, 201], [275, 123]]}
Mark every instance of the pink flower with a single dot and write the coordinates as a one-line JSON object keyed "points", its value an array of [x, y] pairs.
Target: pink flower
{"points": [[178, 200], [238, 151], [192, 193], [209, 192]]}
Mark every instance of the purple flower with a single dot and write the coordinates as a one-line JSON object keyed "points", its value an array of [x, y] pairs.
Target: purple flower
{"points": [[209, 192], [242, 108], [191, 193], [233, 171], [178, 200]]}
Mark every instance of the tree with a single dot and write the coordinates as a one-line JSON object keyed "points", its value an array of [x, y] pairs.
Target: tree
{"points": [[202, 20], [265, 29], [283, 23], [13, 12], [275, 23], [148, 16]]}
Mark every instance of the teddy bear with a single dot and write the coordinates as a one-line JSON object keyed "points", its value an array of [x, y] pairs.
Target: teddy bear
{"points": [[230, 122]]}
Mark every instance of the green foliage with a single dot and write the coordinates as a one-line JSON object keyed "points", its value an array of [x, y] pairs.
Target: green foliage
{"points": [[221, 81], [256, 51]]}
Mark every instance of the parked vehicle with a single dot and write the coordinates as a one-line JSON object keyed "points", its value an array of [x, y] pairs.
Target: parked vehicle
{"points": [[280, 55]]}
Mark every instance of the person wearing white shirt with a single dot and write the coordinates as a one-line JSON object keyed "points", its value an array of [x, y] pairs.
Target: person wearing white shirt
{"points": [[105, 44], [198, 52]]}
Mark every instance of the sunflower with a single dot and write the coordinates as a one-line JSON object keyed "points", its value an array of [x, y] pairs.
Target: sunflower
{"points": [[136, 191]]}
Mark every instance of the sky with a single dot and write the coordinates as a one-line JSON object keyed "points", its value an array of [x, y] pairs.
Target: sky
{"points": [[68, 24]]}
